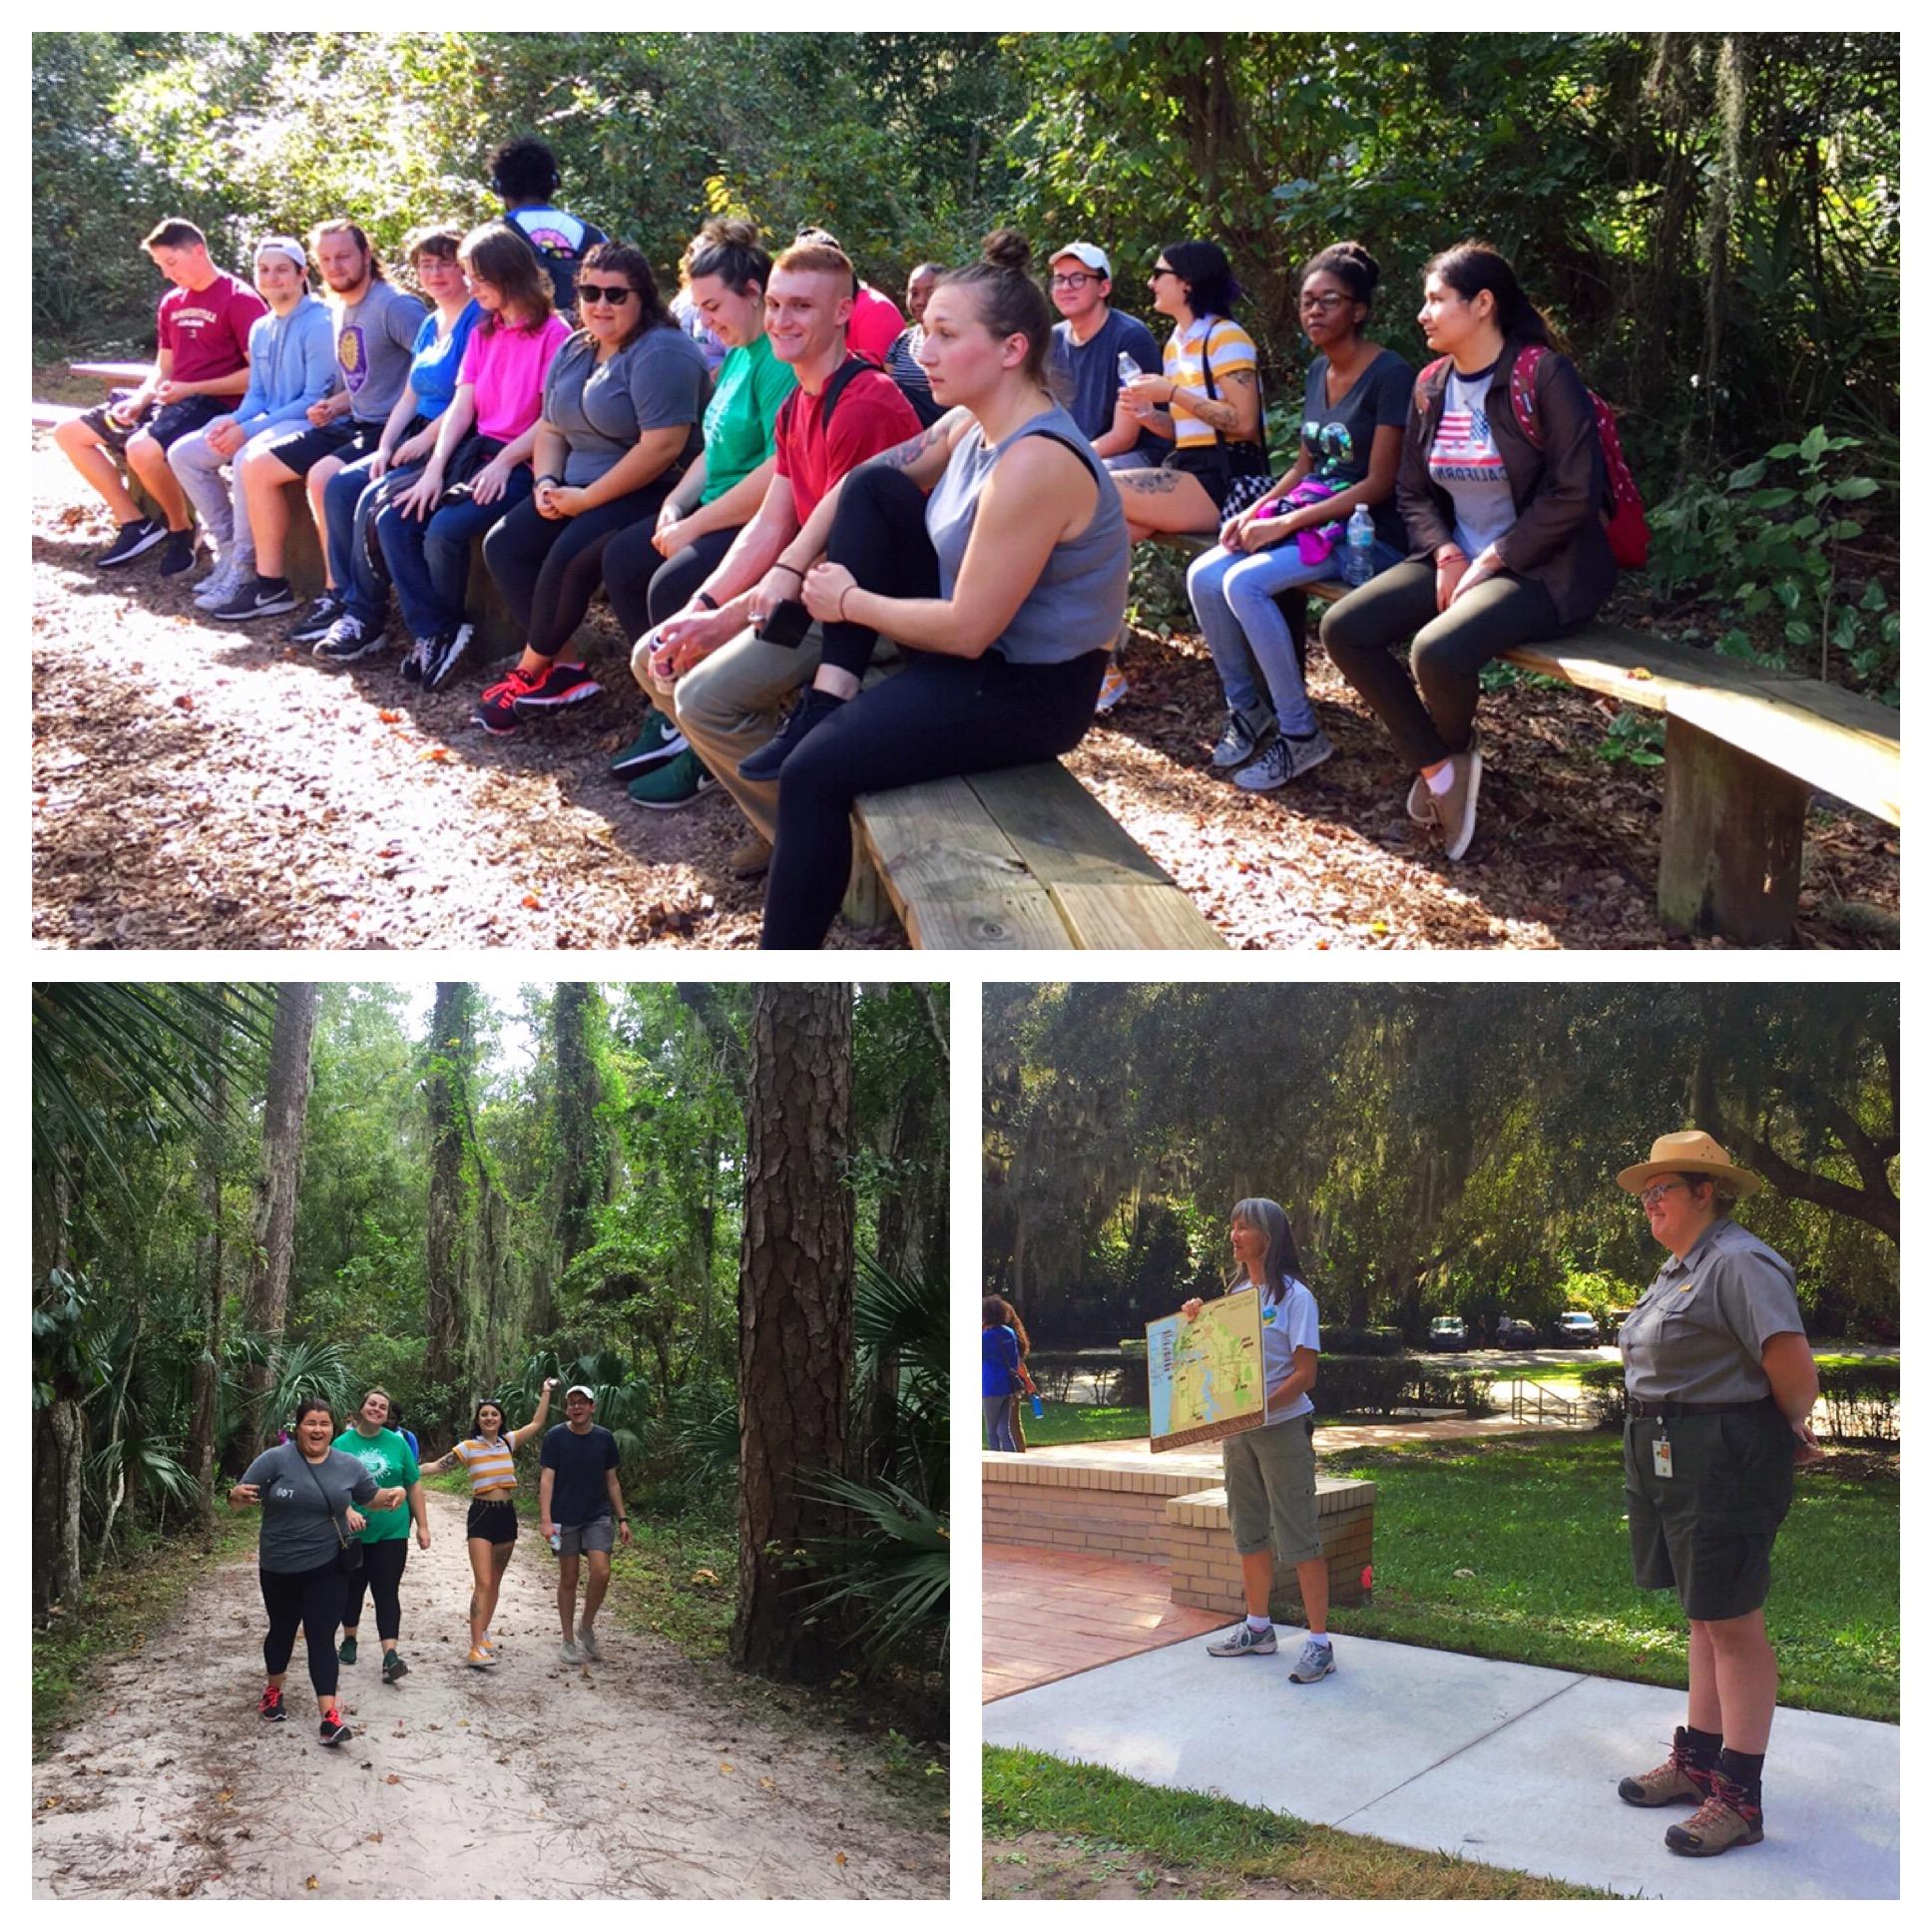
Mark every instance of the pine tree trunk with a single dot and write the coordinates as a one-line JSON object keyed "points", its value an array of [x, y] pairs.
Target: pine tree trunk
{"points": [[283, 1119], [453, 1057], [583, 1170], [210, 1285], [795, 1316]]}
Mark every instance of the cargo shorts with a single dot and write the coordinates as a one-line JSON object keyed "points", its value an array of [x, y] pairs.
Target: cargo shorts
{"points": [[1707, 1530], [1270, 1475]]}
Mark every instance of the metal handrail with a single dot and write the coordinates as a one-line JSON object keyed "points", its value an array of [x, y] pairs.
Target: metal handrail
{"points": [[1564, 1407]]}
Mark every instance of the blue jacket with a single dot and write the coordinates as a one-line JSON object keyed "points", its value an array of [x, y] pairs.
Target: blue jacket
{"points": [[292, 360], [999, 1363]]}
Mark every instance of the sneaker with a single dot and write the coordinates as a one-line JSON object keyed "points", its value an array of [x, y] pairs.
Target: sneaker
{"points": [[217, 586], [348, 639], [587, 1642], [563, 684], [444, 653], [1113, 687], [1723, 1819], [1244, 1641], [256, 599], [569, 1651], [345, 1651], [179, 555], [811, 711], [270, 1710], [1418, 803], [1242, 737], [1677, 1780], [393, 1666], [415, 658], [1285, 757], [496, 710], [334, 1729], [658, 743], [135, 539], [1455, 810], [750, 859], [1316, 1661], [317, 621], [480, 1659], [671, 787]]}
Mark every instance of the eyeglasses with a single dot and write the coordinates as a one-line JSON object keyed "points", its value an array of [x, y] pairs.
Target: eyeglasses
{"points": [[617, 295], [1070, 282], [1327, 303], [1652, 1195], [1164, 271]]}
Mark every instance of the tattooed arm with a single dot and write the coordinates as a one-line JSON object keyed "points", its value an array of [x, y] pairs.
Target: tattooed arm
{"points": [[1235, 411]]}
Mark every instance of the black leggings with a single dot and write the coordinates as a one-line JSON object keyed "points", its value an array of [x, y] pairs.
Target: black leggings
{"points": [[382, 1576], [549, 568], [313, 1599], [1363, 630], [879, 535], [646, 589], [938, 718]]}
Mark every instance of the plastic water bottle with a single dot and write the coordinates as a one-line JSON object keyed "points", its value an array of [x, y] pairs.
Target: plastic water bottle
{"points": [[1358, 561], [1039, 1407], [557, 1540], [1128, 367]]}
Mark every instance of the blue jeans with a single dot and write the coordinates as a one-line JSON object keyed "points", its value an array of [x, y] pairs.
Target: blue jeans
{"points": [[430, 562], [350, 505], [1234, 593]]}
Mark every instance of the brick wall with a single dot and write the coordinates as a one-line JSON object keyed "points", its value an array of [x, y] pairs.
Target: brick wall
{"points": [[1058, 1504], [1206, 1572]]}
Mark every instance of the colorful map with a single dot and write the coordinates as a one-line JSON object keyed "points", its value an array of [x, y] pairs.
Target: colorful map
{"points": [[1204, 1376]]}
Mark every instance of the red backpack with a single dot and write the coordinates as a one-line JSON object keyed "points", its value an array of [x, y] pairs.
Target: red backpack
{"points": [[1626, 527]]}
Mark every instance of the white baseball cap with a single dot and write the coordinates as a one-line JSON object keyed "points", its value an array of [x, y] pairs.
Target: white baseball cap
{"points": [[1089, 255], [578, 1388]]}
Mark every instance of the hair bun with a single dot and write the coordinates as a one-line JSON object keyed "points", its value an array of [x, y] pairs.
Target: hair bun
{"points": [[1371, 267], [729, 232], [1007, 248]]}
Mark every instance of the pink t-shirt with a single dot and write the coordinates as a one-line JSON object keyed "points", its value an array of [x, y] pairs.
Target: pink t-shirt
{"points": [[876, 326], [506, 367]]}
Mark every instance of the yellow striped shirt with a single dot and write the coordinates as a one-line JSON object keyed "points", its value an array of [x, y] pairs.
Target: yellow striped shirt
{"points": [[1228, 350], [489, 1463]]}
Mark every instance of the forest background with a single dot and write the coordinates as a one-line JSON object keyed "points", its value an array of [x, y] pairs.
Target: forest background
{"points": [[1712, 219], [723, 1208]]}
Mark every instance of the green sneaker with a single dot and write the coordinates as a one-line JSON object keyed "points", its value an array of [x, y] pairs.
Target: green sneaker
{"points": [[681, 782], [658, 743], [393, 1666], [346, 1651]]}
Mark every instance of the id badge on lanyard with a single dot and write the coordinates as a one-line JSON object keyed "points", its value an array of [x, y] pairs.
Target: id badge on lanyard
{"points": [[1661, 1453]]}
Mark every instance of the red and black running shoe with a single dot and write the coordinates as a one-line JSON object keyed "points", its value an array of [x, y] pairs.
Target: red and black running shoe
{"points": [[270, 1710], [333, 1729], [561, 684]]}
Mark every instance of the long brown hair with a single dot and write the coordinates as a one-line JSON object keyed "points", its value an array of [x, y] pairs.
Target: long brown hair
{"points": [[503, 258], [998, 1312], [1470, 267]]}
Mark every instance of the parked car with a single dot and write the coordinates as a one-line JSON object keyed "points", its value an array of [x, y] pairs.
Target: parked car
{"points": [[1448, 1331], [1513, 1332], [1575, 1328]]}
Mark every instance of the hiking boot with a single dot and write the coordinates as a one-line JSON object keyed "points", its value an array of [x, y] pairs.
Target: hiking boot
{"points": [[333, 1729], [1723, 1819], [1285, 757], [1316, 1661], [750, 859], [257, 598], [1242, 735], [658, 743], [563, 684], [1113, 687], [393, 1666], [1677, 1780], [811, 711], [671, 787], [442, 654], [133, 540], [270, 1710], [179, 554], [345, 1651], [1455, 810], [317, 621], [1244, 1641], [570, 1653], [587, 1642], [496, 709], [348, 639]]}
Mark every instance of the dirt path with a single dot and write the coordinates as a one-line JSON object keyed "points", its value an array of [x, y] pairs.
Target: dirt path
{"points": [[625, 1779]]}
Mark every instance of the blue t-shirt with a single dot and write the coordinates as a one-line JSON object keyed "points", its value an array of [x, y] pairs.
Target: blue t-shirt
{"points": [[1092, 371], [999, 1361], [433, 364], [578, 1494]]}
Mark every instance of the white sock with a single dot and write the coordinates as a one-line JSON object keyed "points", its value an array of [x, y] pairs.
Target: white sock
{"points": [[1440, 781], [1258, 1624]]}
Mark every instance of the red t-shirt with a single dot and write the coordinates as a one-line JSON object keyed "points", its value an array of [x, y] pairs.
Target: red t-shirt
{"points": [[876, 326], [872, 414], [207, 328]]}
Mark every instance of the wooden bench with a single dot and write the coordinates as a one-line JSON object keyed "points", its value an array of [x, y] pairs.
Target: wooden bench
{"points": [[1744, 748]]}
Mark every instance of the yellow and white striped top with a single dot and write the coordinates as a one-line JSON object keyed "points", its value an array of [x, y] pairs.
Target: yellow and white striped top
{"points": [[1228, 349], [488, 1463]]}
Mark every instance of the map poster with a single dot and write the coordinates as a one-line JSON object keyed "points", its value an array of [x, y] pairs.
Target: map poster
{"points": [[1204, 1376]]}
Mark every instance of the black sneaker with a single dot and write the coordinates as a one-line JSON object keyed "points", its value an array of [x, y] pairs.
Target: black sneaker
{"points": [[807, 714], [444, 653], [257, 598], [348, 639], [270, 1710], [318, 620], [179, 554], [135, 539], [393, 1666], [333, 1729], [415, 658]]}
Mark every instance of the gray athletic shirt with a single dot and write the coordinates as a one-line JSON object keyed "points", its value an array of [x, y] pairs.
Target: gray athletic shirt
{"points": [[1075, 603], [654, 383], [296, 1528], [376, 344]]}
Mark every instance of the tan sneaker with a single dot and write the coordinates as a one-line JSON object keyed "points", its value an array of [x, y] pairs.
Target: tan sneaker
{"points": [[1677, 1780], [752, 857], [1723, 1819], [1455, 810]]}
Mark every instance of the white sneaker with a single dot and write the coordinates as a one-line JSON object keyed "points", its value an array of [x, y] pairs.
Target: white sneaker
{"points": [[587, 1642], [570, 1653], [219, 584], [1285, 757]]}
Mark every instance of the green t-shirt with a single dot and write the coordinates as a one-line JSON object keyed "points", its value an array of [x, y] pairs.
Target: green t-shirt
{"points": [[386, 1457], [738, 423]]}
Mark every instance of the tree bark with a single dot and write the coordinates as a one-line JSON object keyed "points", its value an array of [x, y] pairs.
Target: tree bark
{"points": [[453, 1057], [209, 1283], [283, 1119], [794, 1318], [583, 1170]]}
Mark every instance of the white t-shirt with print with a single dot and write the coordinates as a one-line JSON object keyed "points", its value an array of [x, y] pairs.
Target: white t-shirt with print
{"points": [[1287, 1325]]}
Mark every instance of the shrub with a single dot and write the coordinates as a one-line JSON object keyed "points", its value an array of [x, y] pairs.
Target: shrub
{"points": [[1355, 1385], [1361, 1342], [1602, 1389], [1860, 1399]]}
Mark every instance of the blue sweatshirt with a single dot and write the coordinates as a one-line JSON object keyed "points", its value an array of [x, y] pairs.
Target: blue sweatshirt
{"points": [[290, 360]]}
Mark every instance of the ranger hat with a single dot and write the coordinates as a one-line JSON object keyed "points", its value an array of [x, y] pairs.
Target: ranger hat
{"points": [[1689, 1153]]}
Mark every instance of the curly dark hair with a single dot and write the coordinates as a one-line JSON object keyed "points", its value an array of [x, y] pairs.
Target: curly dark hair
{"points": [[998, 1312], [524, 169]]}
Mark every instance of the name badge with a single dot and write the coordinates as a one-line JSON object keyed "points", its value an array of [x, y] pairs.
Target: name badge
{"points": [[1660, 1456]]}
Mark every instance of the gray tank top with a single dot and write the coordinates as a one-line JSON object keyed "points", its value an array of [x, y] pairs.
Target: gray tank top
{"points": [[1076, 605]]}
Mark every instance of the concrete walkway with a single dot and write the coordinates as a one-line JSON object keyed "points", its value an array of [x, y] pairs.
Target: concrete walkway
{"points": [[1504, 1763]]}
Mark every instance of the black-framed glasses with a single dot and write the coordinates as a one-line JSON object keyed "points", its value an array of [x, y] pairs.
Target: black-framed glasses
{"points": [[616, 295], [1326, 304], [1070, 282]]}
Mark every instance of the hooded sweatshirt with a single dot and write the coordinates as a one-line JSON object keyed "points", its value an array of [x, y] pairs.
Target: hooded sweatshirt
{"points": [[291, 358]]}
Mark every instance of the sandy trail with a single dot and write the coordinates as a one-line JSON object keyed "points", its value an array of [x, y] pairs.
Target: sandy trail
{"points": [[625, 1779]]}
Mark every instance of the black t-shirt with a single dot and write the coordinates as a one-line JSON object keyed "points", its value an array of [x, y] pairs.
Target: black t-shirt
{"points": [[578, 1494], [1339, 436]]}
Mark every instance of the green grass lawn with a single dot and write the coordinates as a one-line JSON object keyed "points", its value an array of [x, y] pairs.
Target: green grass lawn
{"points": [[1074, 1422]]}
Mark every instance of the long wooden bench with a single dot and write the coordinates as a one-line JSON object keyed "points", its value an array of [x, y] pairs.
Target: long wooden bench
{"points": [[1744, 748]]}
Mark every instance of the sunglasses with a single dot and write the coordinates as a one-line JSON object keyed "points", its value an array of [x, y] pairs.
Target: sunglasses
{"points": [[617, 295], [1158, 272]]}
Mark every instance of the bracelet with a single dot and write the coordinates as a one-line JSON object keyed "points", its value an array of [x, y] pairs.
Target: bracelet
{"points": [[842, 596], [705, 597], [794, 568]]}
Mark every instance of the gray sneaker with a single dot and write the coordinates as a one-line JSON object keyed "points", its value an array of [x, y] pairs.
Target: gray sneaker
{"points": [[1285, 757], [1242, 736], [570, 1653], [587, 1642], [1316, 1661], [219, 584], [1455, 810], [1243, 1640]]}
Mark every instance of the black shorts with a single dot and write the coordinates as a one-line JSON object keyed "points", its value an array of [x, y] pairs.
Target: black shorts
{"points": [[494, 1520], [166, 425], [1707, 1530], [1213, 466], [345, 439]]}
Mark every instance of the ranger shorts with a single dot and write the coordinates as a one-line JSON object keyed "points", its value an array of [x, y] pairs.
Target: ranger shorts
{"points": [[1272, 1489]]}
